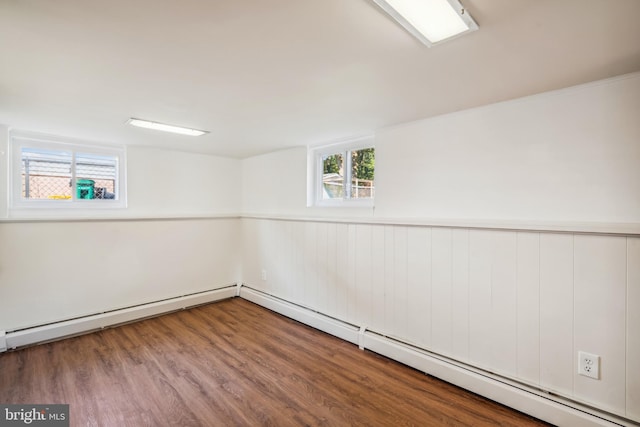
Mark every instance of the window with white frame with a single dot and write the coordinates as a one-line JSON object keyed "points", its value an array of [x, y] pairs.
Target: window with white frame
{"points": [[54, 172], [344, 173]]}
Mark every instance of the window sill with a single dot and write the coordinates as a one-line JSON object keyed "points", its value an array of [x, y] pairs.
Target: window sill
{"points": [[342, 203], [96, 217]]}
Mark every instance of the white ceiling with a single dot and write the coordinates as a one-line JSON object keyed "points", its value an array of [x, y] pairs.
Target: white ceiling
{"points": [[263, 75]]}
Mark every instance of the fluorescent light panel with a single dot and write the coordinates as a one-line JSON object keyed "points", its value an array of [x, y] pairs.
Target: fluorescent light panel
{"points": [[165, 128], [430, 21]]}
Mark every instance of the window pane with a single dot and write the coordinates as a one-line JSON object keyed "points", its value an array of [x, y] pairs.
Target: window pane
{"points": [[96, 176], [332, 177], [363, 164], [46, 174]]}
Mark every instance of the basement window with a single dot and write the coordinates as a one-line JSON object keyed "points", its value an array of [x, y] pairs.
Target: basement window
{"points": [[343, 174], [54, 172]]}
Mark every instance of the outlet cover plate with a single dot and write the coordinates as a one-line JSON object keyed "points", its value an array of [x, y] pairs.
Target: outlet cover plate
{"points": [[589, 365]]}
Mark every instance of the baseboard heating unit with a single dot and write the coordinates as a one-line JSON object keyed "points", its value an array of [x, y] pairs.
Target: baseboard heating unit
{"points": [[535, 402], [66, 328]]}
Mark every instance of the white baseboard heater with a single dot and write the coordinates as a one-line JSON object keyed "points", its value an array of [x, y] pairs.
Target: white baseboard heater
{"points": [[537, 403], [81, 325]]}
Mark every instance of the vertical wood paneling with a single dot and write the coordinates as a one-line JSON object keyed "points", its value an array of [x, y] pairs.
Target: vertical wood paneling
{"points": [[263, 251], [285, 258], [250, 254], [273, 282], [419, 285], [310, 290], [352, 297], [503, 303], [282, 260], [528, 307], [599, 298], [341, 269], [633, 328], [500, 300], [363, 274], [400, 297], [442, 291], [556, 312], [332, 275], [321, 267], [460, 303], [480, 321], [378, 275], [297, 282], [389, 278], [271, 257]]}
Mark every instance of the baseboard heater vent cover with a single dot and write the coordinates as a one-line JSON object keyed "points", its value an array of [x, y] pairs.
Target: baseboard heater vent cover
{"points": [[66, 328], [553, 409]]}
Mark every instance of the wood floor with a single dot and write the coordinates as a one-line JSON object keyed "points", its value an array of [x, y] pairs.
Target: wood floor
{"points": [[234, 363]]}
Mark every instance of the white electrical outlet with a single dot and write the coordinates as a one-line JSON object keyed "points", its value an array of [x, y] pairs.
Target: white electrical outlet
{"points": [[589, 365], [264, 275]]}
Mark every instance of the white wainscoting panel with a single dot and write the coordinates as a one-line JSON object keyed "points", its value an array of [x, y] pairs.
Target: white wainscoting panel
{"points": [[519, 304], [460, 298], [331, 302], [342, 273], [400, 326], [442, 290], [503, 330], [389, 264], [352, 296], [528, 307], [599, 301], [310, 250], [556, 313], [322, 266], [480, 320], [419, 287], [364, 274], [297, 277], [376, 322]]}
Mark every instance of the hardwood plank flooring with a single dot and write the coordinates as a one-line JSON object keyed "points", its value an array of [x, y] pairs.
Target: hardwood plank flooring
{"points": [[233, 363]]}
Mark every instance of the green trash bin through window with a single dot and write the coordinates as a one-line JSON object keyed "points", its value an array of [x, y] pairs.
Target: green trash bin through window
{"points": [[85, 189]]}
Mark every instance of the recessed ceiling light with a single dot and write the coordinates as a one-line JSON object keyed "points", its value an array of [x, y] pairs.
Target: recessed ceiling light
{"points": [[165, 128], [430, 21]]}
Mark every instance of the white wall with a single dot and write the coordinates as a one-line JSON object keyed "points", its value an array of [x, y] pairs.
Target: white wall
{"points": [[53, 270], [276, 184], [172, 183], [4, 184], [160, 183], [569, 156], [519, 303]]}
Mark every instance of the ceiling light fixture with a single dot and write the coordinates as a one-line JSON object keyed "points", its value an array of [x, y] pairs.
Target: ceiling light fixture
{"points": [[430, 21], [164, 127]]}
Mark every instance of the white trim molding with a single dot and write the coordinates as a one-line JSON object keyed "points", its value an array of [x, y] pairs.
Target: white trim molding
{"points": [[614, 229]]}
